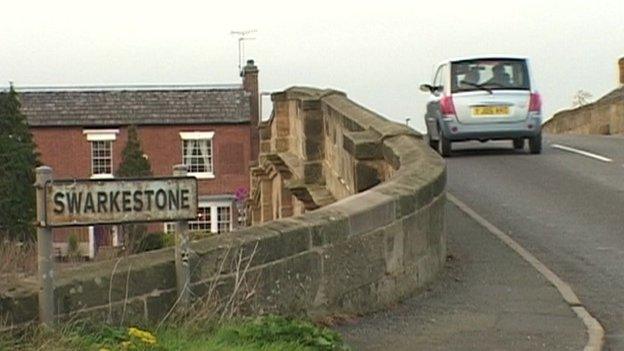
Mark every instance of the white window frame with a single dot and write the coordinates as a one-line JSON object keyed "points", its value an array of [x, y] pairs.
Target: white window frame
{"points": [[109, 135], [200, 136], [169, 227], [217, 219], [214, 213]]}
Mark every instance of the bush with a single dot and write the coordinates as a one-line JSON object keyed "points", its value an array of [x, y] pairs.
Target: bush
{"points": [[17, 260], [152, 241], [73, 250], [139, 241]]}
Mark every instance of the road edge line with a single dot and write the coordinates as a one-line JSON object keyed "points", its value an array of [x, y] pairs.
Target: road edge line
{"points": [[595, 330], [581, 152]]}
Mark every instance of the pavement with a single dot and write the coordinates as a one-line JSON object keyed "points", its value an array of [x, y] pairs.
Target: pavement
{"points": [[487, 298]]}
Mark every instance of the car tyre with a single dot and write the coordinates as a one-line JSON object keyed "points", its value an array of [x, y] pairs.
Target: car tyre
{"points": [[518, 144], [444, 146], [433, 143], [535, 144]]}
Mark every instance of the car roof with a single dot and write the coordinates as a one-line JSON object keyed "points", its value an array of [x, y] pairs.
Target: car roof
{"points": [[475, 57]]}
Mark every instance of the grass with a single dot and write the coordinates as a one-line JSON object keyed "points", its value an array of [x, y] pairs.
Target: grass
{"points": [[210, 323], [261, 333], [17, 261]]}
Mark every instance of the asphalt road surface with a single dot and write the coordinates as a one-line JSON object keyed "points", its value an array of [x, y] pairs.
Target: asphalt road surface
{"points": [[564, 206], [486, 298]]}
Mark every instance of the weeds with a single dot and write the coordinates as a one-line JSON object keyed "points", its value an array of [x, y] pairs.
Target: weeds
{"points": [[267, 330], [17, 261], [211, 322], [260, 333]]}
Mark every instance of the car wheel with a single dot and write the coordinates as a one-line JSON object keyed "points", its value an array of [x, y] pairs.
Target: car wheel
{"points": [[433, 143], [444, 146], [535, 144], [518, 144]]}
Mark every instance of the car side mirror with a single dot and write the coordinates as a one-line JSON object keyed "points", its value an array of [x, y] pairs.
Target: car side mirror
{"points": [[427, 88]]}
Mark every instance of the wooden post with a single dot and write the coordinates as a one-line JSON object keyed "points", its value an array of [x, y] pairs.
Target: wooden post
{"points": [[45, 260], [182, 251]]}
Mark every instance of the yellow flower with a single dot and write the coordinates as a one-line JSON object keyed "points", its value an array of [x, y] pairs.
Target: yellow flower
{"points": [[145, 336], [103, 349], [126, 345], [151, 341]]}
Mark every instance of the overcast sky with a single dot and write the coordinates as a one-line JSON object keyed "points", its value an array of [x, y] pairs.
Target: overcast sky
{"points": [[377, 52]]}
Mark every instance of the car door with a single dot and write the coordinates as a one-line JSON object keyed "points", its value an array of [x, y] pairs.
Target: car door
{"points": [[433, 105]]}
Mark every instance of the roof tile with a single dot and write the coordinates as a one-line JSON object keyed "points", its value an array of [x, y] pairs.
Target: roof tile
{"points": [[122, 107]]}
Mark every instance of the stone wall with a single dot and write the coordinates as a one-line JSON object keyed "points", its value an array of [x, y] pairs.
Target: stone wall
{"points": [[360, 252], [605, 116]]}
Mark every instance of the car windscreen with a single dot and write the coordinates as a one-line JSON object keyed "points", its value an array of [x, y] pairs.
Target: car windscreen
{"points": [[489, 74]]}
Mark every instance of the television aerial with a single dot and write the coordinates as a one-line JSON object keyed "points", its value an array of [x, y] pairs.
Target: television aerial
{"points": [[242, 36]]}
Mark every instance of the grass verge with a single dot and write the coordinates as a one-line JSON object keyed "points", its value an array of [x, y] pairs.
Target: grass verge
{"points": [[259, 333]]}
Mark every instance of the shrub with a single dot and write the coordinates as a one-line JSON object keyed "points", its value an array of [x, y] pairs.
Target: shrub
{"points": [[73, 250]]}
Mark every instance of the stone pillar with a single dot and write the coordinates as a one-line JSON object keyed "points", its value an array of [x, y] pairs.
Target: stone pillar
{"points": [[281, 133], [266, 200], [621, 69], [286, 209]]}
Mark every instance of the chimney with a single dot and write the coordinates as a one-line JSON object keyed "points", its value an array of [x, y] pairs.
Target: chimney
{"points": [[621, 65], [250, 85]]}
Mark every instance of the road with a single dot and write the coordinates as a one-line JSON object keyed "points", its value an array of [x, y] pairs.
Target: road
{"points": [[486, 298], [564, 207]]}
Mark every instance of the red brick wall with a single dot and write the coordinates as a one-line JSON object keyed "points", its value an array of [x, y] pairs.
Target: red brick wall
{"points": [[68, 152]]}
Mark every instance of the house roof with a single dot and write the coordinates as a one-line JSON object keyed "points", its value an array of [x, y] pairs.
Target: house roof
{"points": [[107, 106]]}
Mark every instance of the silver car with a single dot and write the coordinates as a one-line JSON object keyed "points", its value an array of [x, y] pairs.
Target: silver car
{"points": [[483, 98]]}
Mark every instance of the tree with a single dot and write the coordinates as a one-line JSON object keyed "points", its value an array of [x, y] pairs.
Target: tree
{"points": [[133, 160], [134, 164], [581, 98], [18, 159]]}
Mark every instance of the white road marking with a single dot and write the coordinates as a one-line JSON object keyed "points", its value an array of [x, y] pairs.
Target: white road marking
{"points": [[581, 152], [594, 329]]}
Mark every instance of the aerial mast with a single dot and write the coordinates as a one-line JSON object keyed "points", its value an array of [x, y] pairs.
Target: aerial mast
{"points": [[242, 36]]}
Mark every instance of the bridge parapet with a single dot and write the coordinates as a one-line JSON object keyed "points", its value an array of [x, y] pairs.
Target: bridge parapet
{"points": [[349, 214]]}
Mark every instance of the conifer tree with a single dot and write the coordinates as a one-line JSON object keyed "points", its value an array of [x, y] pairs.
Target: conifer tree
{"points": [[18, 159], [134, 164], [133, 161]]}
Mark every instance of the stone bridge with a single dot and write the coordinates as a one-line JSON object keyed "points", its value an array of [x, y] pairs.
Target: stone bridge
{"points": [[604, 116], [348, 214]]}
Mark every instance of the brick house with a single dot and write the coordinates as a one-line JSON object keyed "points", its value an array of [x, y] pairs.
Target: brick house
{"points": [[81, 131]]}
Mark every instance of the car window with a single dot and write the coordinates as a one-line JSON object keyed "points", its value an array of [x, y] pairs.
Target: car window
{"points": [[442, 78], [437, 81], [491, 74]]}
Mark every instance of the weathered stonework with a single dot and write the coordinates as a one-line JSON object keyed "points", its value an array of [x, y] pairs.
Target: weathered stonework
{"points": [[366, 226], [605, 116]]}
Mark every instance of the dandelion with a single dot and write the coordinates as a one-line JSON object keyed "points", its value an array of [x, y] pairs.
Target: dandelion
{"points": [[145, 336]]}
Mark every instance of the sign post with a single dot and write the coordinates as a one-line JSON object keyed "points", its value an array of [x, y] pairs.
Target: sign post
{"points": [[83, 202], [182, 251], [45, 261]]}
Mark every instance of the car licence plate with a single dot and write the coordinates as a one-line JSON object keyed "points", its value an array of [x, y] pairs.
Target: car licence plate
{"points": [[485, 111]]}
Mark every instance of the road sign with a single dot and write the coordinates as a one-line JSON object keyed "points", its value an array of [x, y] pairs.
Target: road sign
{"points": [[114, 201]]}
